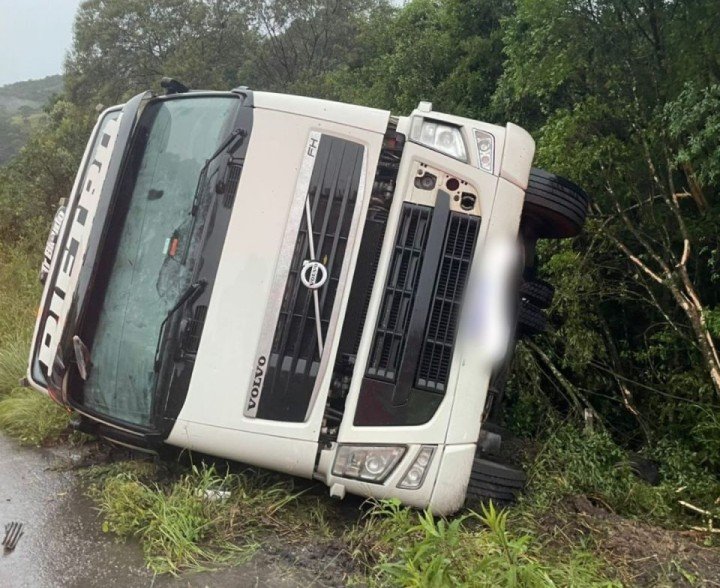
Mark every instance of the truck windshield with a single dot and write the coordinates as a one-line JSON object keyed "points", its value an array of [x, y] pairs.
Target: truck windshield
{"points": [[153, 262]]}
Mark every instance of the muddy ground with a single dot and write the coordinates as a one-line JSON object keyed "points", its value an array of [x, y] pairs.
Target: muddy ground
{"points": [[64, 545]]}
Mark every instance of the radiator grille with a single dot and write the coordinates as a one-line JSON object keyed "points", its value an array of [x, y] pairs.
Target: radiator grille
{"points": [[439, 340], [401, 285], [294, 357]]}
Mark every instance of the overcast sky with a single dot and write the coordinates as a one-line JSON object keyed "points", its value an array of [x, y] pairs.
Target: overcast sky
{"points": [[34, 36]]}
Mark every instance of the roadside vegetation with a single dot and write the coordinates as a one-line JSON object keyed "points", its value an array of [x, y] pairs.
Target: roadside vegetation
{"points": [[623, 98], [202, 519], [26, 415]]}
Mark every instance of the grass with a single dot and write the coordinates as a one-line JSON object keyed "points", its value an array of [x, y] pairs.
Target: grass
{"points": [[572, 462], [184, 524], [182, 528], [26, 415], [409, 548], [31, 417], [14, 352], [203, 518], [20, 291], [19, 296]]}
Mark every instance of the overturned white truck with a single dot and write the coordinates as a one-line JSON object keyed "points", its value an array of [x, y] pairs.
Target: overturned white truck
{"points": [[312, 287]]}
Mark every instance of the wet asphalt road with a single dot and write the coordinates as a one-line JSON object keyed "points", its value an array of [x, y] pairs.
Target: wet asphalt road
{"points": [[63, 544]]}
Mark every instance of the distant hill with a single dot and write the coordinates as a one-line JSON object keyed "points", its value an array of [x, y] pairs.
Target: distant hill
{"points": [[21, 105], [30, 93]]}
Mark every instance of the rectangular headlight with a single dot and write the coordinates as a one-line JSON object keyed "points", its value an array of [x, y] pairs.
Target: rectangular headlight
{"points": [[439, 136], [369, 463]]}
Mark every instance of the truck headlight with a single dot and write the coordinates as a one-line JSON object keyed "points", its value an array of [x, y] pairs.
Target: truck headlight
{"points": [[439, 136], [485, 143], [367, 462], [415, 475]]}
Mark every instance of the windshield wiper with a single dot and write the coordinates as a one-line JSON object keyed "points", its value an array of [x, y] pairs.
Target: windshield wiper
{"points": [[224, 146], [191, 292]]}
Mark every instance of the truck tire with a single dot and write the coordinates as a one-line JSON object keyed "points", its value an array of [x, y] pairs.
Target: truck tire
{"points": [[538, 292], [531, 320], [494, 481], [555, 208]]}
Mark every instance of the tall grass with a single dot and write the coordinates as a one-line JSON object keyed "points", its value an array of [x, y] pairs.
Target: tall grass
{"points": [[31, 417], [19, 296], [412, 549], [14, 350], [572, 462], [204, 518], [19, 289], [26, 415]]}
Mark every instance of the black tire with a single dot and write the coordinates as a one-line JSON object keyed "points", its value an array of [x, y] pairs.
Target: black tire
{"points": [[538, 292], [494, 481], [531, 320], [555, 208]]}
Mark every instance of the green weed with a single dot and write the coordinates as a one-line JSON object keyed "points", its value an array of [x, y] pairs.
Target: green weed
{"points": [[402, 547], [19, 295], [203, 518], [178, 527], [31, 417], [26, 415], [572, 462], [19, 292], [13, 362]]}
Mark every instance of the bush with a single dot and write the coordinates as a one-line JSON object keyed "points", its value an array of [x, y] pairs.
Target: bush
{"points": [[572, 462]]}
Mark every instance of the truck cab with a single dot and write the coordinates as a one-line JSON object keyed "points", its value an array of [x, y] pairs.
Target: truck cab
{"points": [[317, 288]]}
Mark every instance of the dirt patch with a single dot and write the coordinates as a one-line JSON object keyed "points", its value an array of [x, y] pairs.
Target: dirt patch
{"points": [[642, 554]]}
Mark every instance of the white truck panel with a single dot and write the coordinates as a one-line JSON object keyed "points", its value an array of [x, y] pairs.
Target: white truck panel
{"points": [[293, 457], [226, 358], [347, 115]]}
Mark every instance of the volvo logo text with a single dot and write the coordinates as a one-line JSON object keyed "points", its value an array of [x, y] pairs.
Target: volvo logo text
{"points": [[313, 274]]}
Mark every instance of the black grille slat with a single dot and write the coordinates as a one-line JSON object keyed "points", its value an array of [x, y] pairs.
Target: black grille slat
{"points": [[439, 341], [294, 358], [390, 336], [193, 330], [232, 179]]}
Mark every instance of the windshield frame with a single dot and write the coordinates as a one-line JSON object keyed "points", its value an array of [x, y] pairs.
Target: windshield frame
{"points": [[164, 407]]}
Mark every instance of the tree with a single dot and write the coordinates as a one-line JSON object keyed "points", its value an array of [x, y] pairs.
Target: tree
{"points": [[448, 52], [122, 47], [599, 82], [303, 40]]}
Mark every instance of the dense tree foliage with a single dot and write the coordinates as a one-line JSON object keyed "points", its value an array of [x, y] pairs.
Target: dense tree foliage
{"points": [[622, 96]]}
